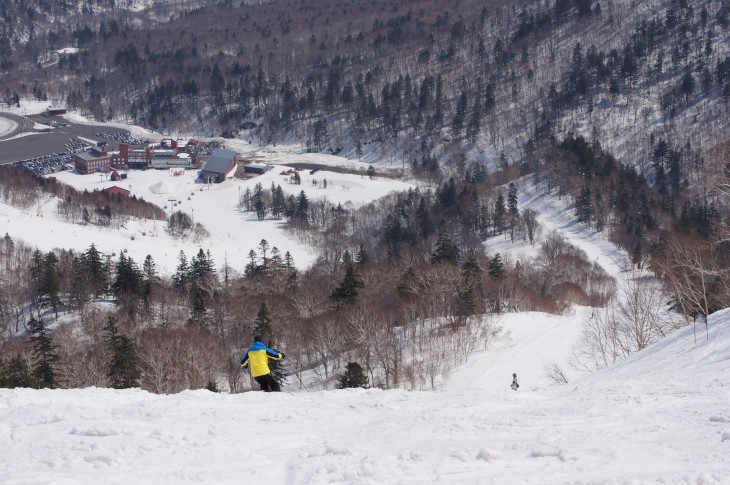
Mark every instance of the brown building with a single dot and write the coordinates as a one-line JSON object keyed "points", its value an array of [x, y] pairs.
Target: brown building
{"points": [[97, 160], [114, 190], [86, 163], [55, 110], [218, 165]]}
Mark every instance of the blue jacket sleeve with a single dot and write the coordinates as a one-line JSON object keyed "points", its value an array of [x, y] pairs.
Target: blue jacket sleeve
{"points": [[244, 360], [274, 354]]}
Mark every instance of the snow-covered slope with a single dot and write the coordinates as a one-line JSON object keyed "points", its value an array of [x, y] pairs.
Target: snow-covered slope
{"points": [[661, 416]]}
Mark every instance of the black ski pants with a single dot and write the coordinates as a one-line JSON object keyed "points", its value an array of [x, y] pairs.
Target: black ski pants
{"points": [[268, 383]]}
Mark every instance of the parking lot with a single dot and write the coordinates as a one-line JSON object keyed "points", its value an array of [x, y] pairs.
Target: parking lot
{"points": [[58, 141], [46, 164], [119, 137]]}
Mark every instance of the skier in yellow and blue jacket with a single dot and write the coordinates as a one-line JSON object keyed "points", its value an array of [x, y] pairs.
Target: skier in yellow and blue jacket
{"points": [[258, 357]]}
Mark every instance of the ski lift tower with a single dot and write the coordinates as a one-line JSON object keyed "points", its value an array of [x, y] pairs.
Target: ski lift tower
{"points": [[171, 201]]}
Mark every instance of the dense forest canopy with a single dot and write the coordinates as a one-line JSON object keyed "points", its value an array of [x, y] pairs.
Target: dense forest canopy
{"points": [[465, 78]]}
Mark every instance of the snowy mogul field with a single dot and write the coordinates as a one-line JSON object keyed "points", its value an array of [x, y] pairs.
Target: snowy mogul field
{"points": [[660, 417]]}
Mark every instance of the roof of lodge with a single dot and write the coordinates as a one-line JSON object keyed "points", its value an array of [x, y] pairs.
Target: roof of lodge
{"points": [[86, 156], [219, 161]]}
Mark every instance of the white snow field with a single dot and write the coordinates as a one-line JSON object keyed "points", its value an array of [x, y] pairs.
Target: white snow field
{"points": [[661, 416], [7, 126]]}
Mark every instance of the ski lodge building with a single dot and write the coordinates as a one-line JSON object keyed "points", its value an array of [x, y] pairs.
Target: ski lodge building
{"points": [[169, 154], [220, 163]]}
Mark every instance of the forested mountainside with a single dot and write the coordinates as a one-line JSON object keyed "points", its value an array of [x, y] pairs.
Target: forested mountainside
{"points": [[468, 77]]}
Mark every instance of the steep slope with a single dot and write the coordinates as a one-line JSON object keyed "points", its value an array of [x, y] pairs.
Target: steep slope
{"points": [[660, 416]]}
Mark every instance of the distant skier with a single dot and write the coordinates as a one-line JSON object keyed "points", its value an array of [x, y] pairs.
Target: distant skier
{"points": [[515, 385], [258, 356]]}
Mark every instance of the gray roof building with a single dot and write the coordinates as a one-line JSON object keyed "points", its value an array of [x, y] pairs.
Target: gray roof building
{"points": [[218, 165], [220, 161]]}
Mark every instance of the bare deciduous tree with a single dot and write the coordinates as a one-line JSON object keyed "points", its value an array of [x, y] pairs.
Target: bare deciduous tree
{"points": [[636, 317]]}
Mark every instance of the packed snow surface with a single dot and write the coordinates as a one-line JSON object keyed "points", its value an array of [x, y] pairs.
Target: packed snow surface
{"points": [[662, 416]]}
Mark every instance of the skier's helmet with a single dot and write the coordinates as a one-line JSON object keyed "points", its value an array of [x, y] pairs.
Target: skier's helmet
{"points": [[258, 338], [514, 375]]}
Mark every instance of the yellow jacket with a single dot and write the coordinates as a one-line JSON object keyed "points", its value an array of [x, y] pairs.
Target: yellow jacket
{"points": [[258, 356]]}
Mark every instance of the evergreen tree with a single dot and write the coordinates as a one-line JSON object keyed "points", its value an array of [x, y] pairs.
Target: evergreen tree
{"points": [[49, 284], [490, 96], [278, 202], [301, 210], [288, 261], [496, 267], [362, 255], [584, 206], [346, 293], [353, 377], [687, 86], [262, 323], [203, 283], [277, 371], [16, 374], [246, 199], [151, 280], [44, 353], [424, 218], [276, 263], [127, 286], [470, 287], [94, 265], [512, 209], [258, 202], [252, 268], [445, 250], [123, 368], [457, 124], [181, 276], [264, 250], [475, 121], [78, 293], [446, 195]]}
